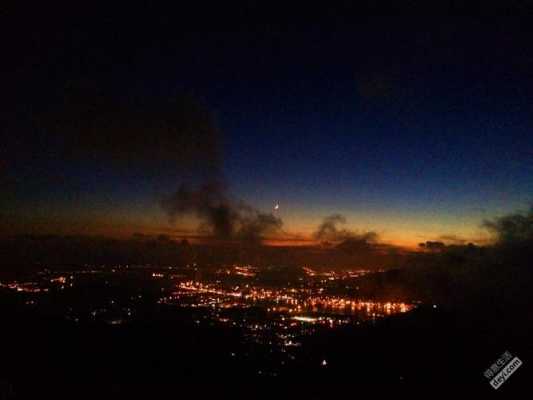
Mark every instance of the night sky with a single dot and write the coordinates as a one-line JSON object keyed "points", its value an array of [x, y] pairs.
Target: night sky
{"points": [[415, 129]]}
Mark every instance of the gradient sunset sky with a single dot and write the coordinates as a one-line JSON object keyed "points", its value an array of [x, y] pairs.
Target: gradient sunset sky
{"points": [[416, 129]]}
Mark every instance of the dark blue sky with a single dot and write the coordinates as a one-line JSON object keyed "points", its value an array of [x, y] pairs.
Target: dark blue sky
{"points": [[412, 128]]}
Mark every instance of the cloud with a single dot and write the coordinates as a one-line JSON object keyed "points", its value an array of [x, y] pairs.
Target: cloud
{"points": [[173, 137], [375, 87], [514, 228], [89, 123], [452, 239], [432, 245], [329, 231], [220, 216]]}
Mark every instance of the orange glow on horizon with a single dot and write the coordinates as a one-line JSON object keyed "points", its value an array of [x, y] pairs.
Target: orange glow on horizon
{"points": [[395, 232]]}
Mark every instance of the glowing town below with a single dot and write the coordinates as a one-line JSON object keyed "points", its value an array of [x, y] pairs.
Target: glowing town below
{"points": [[272, 307]]}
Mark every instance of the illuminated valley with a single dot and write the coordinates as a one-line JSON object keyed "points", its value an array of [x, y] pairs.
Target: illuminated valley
{"points": [[272, 307]]}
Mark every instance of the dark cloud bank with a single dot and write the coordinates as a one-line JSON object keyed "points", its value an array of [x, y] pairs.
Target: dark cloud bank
{"points": [[329, 231], [175, 137]]}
